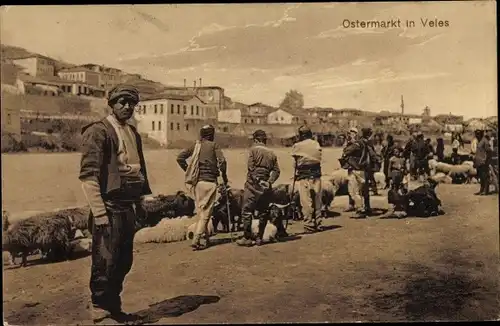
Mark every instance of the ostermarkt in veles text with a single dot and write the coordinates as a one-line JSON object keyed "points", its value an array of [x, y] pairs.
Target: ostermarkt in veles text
{"points": [[394, 23]]}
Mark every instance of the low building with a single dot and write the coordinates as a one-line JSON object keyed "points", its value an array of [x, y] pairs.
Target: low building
{"points": [[81, 74], [287, 116], [169, 119], [36, 65], [211, 95], [28, 84]]}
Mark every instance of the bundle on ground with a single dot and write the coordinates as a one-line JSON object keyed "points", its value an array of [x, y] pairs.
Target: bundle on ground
{"points": [[45, 232], [168, 230], [154, 209]]}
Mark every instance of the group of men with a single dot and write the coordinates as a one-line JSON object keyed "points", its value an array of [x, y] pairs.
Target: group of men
{"points": [[114, 180], [262, 172]]}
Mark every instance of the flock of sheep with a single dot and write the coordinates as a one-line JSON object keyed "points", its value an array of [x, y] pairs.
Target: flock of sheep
{"points": [[161, 219]]}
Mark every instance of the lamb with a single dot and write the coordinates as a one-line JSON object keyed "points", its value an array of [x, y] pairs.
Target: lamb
{"points": [[45, 232], [153, 209]]}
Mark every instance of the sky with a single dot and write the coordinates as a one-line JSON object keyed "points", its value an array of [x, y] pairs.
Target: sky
{"points": [[258, 52]]}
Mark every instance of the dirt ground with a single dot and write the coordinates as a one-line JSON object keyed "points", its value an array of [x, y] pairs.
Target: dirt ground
{"points": [[440, 268]]}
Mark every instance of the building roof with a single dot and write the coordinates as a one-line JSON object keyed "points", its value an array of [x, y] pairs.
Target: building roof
{"points": [[35, 80], [294, 112], [170, 97], [34, 55], [77, 69], [191, 88]]}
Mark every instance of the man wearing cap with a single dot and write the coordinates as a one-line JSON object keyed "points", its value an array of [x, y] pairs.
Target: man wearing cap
{"points": [[352, 137], [408, 154], [358, 158], [211, 165], [420, 151], [114, 178], [307, 154], [263, 171]]}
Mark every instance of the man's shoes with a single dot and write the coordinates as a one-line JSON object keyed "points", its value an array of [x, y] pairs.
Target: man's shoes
{"points": [[309, 230], [359, 215], [479, 193], [244, 242], [349, 209]]}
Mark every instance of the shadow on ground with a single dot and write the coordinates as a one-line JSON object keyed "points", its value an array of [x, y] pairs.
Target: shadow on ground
{"points": [[450, 293], [174, 307]]}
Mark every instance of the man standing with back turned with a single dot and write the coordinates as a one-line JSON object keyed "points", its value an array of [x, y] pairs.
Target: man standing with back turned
{"points": [[114, 178], [211, 164], [263, 171], [307, 154]]}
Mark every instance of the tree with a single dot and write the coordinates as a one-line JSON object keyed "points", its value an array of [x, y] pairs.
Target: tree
{"points": [[293, 100]]}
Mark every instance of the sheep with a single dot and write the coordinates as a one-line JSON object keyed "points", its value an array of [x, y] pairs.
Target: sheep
{"points": [[192, 228], [459, 173], [220, 214], [167, 230], [269, 232], [46, 232], [440, 177], [153, 209]]}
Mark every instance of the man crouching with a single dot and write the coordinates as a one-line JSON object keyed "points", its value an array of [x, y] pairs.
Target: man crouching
{"points": [[263, 171], [114, 178]]}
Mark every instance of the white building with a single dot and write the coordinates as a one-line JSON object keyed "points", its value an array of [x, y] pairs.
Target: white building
{"points": [[36, 65], [172, 118]]}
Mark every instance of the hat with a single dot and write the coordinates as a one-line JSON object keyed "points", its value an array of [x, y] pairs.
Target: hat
{"points": [[305, 132], [355, 130], [123, 90], [207, 131], [366, 132], [259, 134]]}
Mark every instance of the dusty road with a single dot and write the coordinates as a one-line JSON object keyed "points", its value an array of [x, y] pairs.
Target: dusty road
{"points": [[441, 268]]}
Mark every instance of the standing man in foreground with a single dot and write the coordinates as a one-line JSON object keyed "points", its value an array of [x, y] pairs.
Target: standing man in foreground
{"points": [[358, 158], [263, 171], [207, 160], [114, 178], [307, 154]]}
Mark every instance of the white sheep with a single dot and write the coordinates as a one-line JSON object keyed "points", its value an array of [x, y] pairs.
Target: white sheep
{"points": [[269, 232], [168, 230]]}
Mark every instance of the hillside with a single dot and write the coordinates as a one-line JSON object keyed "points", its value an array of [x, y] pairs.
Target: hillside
{"points": [[144, 85]]}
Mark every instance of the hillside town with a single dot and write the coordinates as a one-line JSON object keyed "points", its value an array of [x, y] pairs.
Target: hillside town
{"points": [[37, 89]]}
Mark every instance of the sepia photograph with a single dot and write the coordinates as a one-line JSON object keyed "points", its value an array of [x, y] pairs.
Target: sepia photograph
{"points": [[249, 163]]}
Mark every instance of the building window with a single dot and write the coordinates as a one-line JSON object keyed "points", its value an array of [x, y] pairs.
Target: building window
{"points": [[156, 109], [197, 110], [187, 127], [171, 126], [277, 119], [159, 125], [144, 109], [9, 119], [185, 109], [153, 125], [192, 110], [246, 121], [178, 126], [282, 118], [172, 108], [161, 108], [251, 121]]}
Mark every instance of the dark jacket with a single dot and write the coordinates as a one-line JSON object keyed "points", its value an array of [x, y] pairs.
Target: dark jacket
{"points": [[360, 155], [483, 153], [211, 159], [262, 164], [99, 157]]}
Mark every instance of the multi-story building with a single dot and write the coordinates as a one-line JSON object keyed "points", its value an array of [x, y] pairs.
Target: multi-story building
{"points": [[172, 118], [256, 113], [80, 74], [213, 96], [108, 77], [36, 65]]}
